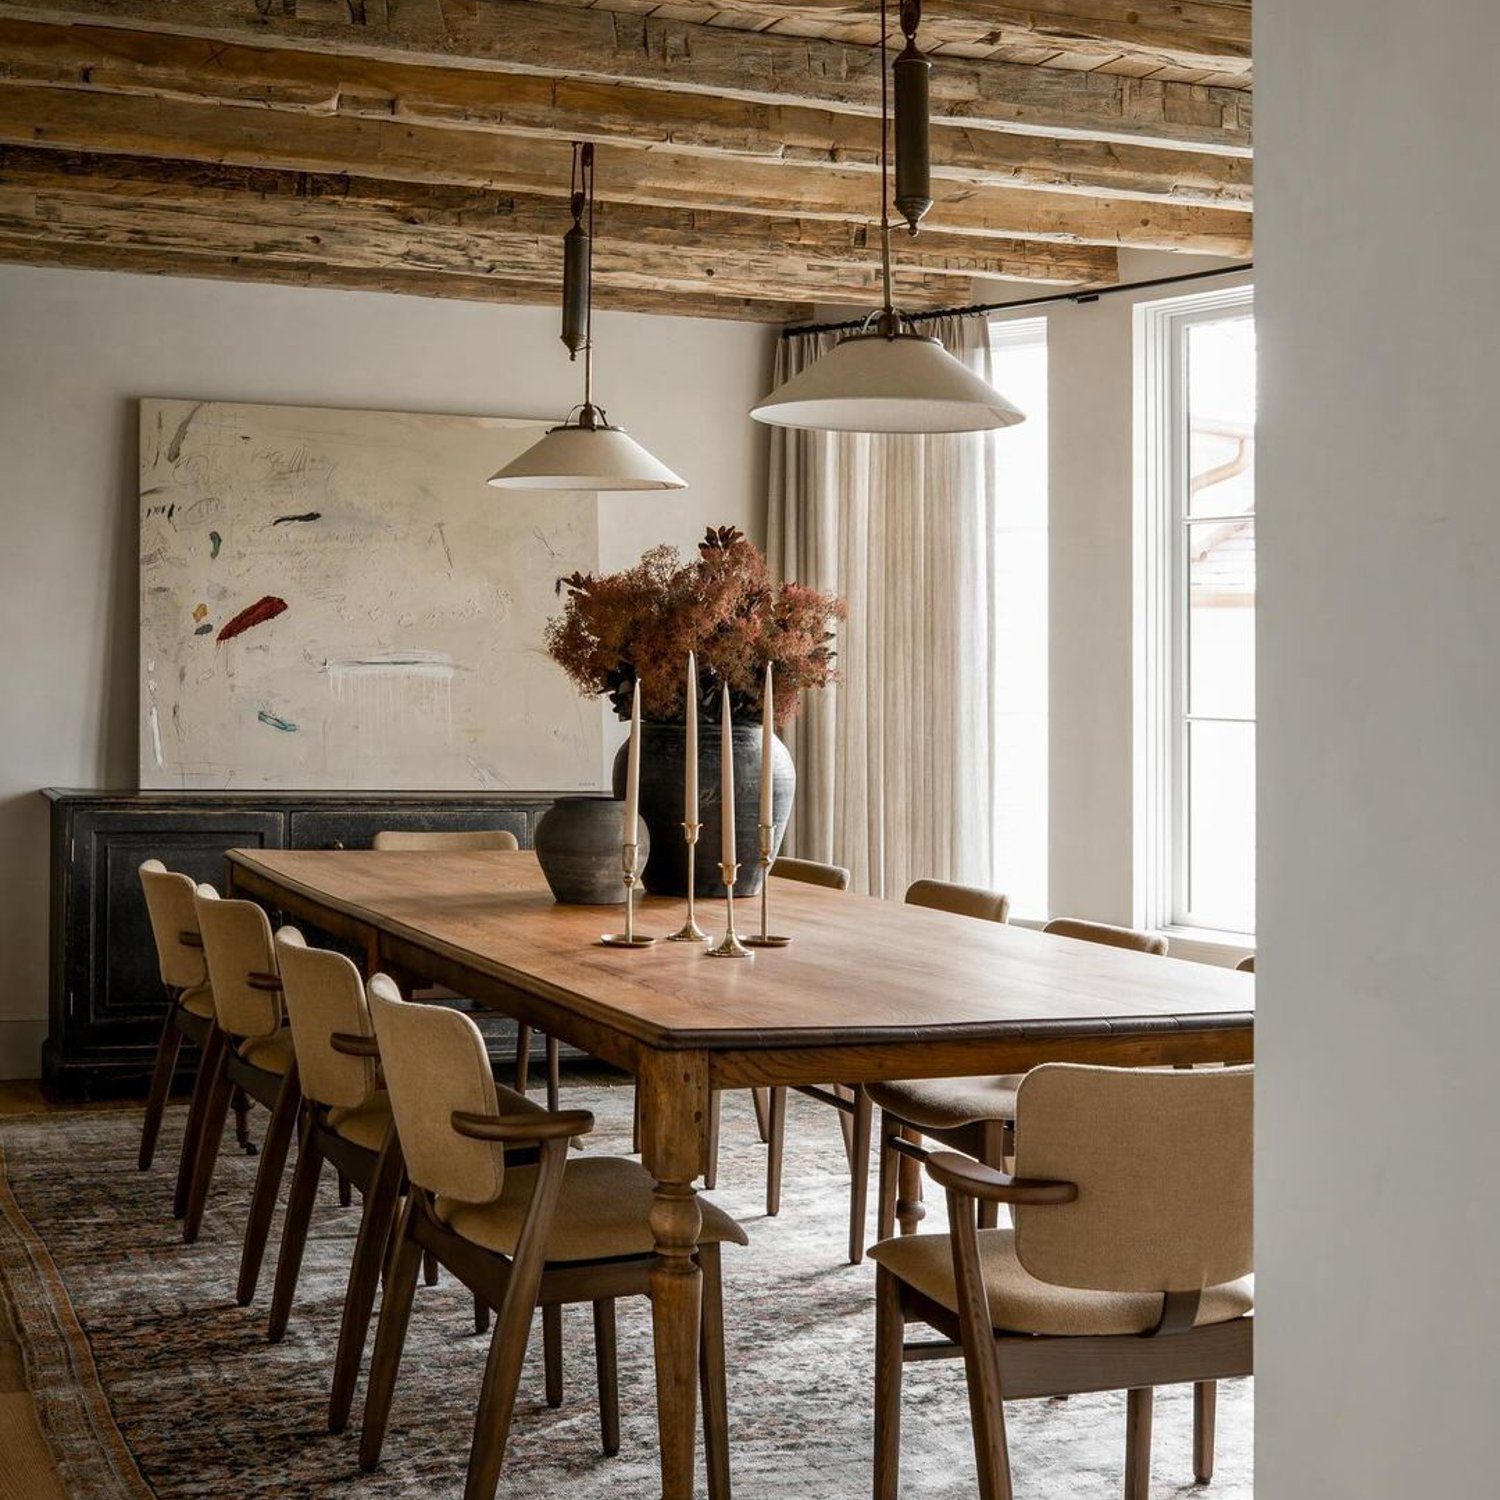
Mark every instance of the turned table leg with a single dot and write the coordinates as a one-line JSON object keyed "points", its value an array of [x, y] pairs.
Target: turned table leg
{"points": [[674, 1128], [910, 1210]]}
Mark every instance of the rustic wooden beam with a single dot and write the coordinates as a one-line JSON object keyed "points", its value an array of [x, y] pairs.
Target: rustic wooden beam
{"points": [[1213, 35], [152, 261], [524, 37], [820, 241], [196, 70], [78, 120]]}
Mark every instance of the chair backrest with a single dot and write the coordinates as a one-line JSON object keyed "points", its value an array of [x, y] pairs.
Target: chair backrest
{"points": [[451, 843], [323, 994], [1162, 1158], [1107, 933], [237, 944], [169, 903], [811, 872], [435, 1063], [963, 900], [1246, 965]]}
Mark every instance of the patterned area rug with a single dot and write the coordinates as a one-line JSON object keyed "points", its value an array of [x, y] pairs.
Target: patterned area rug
{"points": [[151, 1382]]}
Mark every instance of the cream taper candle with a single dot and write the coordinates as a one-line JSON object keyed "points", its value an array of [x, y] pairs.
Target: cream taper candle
{"points": [[726, 781], [767, 746], [690, 781], [633, 770]]}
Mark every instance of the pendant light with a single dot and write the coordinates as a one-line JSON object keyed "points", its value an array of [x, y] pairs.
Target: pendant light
{"points": [[888, 377], [585, 452]]}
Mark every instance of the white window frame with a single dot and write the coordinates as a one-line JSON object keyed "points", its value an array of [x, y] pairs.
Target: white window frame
{"points": [[1162, 474]]}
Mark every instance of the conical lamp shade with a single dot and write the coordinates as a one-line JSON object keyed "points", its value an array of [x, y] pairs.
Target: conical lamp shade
{"points": [[586, 458], [876, 383]]}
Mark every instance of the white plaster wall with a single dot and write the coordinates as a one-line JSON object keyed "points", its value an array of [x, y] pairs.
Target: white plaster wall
{"points": [[77, 348], [1378, 1230]]}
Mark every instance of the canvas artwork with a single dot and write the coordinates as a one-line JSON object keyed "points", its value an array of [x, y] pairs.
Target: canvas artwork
{"points": [[337, 600]]}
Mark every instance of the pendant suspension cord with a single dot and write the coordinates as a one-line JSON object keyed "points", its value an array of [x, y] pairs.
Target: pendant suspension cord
{"points": [[889, 320], [586, 171]]}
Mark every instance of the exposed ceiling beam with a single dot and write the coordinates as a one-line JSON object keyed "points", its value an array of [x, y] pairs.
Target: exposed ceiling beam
{"points": [[524, 37], [84, 121], [695, 231], [197, 70], [150, 261], [1210, 34]]}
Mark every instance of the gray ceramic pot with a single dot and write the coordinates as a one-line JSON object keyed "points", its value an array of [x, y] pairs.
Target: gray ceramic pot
{"points": [[578, 847], [663, 766]]}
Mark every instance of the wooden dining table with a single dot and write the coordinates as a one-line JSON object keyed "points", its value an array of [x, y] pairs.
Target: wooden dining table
{"points": [[868, 990]]}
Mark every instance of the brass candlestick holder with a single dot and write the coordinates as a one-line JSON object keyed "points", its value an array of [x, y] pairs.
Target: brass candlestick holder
{"points": [[630, 938], [731, 947], [766, 938], [691, 932]]}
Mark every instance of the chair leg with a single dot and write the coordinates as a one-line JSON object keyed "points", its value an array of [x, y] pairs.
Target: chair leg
{"points": [[346, 1191], [859, 1174], [552, 1353], [885, 1193], [192, 1131], [1138, 1405], [890, 1332], [390, 1339], [523, 1057], [981, 1356], [606, 1362], [215, 1110], [711, 1376], [429, 1268], [161, 1085], [554, 1074], [241, 1108], [909, 1207], [775, 1150], [992, 1154], [759, 1098], [481, 1314], [1205, 1412], [364, 1278], [635, 1127], [273, 1155], [300, 1199], [846, 1123], [711, 1150]]}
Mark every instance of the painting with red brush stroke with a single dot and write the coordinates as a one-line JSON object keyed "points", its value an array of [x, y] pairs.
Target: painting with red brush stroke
{"points": [[267, 607]]}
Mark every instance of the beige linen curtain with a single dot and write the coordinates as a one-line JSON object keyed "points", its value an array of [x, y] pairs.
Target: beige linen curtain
{"points": [[895, 764]]}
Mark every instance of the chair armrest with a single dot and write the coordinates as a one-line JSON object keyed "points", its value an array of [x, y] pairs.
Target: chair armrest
{"points": [[545, 1125], [975, 1180], [258, 980], [190, 939], [352, 1045]]}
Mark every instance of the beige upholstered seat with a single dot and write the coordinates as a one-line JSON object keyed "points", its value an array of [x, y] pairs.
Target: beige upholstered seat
{"points": [[364, 1124], [603, 1213], [946, 1103], [962, 900], [812, 872], [1020, 1303], [272, 1053], [1132, 1209], [198, 1002], [477, 839]]}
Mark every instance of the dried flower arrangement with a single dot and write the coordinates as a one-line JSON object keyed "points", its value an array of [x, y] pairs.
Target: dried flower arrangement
{"points": [[724, 605]]}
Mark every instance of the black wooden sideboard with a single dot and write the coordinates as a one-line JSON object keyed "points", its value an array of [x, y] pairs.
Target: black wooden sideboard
{"points": [[106, 996]]}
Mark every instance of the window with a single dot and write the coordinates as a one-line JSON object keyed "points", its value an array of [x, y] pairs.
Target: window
{"points": [[1019, 369], [1197, 479]]}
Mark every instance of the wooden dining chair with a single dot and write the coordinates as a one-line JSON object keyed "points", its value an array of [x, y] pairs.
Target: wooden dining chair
{"points": [[249, 1047], [457, 841], [561, 1231], [1125, 1270], [812, 872], [972, 1114], [1246, 965], [190, 1014]]}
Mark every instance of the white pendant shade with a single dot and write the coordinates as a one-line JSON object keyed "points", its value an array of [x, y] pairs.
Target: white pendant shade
{"points": [[586, 458], [876, 383]]}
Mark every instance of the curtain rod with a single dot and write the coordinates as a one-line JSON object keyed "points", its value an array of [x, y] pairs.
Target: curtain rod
{"points": [[1089, 295]]}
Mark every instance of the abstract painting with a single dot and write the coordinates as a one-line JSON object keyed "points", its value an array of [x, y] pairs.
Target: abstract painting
{"points": [[337, 600]]}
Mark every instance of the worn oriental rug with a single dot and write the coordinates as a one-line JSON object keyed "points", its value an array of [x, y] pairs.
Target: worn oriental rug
{"points": [[150, 1382]]}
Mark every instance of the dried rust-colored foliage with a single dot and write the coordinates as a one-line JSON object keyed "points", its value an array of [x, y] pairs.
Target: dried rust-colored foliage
{"points": [[724, 605]]}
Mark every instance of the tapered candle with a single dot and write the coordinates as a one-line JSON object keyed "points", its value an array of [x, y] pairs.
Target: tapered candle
{"points": [[690, 782], [726, 777], [633, 769], [767, 744]]}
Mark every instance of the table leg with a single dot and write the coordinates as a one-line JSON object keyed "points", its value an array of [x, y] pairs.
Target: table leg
{"points": [[910, 1210], [674, 1128]]}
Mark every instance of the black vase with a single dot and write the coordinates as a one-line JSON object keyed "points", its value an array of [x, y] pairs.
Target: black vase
{"points": [[578, 847], [663, 769]]}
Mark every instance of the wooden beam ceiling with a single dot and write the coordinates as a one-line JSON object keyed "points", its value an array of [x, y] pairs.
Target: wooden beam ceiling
{"points": [[422, 145]]}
